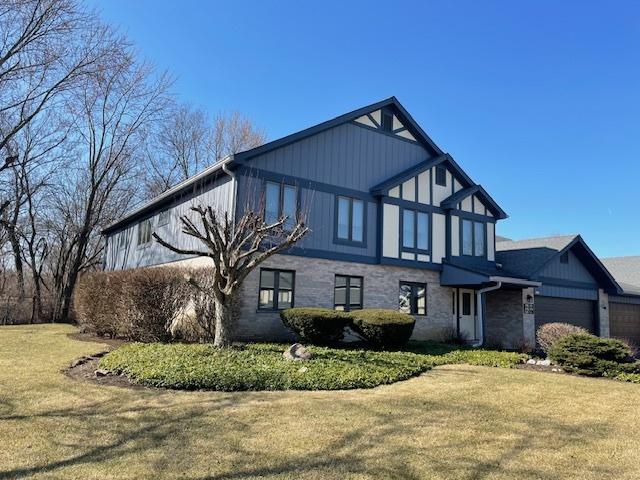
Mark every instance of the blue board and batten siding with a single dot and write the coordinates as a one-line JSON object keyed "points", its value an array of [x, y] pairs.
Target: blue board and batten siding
{"points": [[216, 194], [345, 160], [568, 280]]}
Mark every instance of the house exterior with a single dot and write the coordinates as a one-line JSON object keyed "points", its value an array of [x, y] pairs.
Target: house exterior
{"points": [[625, 308], [395, 223]]}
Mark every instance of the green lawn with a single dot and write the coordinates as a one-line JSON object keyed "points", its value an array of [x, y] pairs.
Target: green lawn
{"points": [[454, 421]]}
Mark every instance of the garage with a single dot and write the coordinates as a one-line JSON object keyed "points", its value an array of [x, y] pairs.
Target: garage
{"points": [[624, 321], [566, 310]]}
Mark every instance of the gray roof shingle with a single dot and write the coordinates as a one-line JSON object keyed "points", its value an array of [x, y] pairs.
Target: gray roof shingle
{"points": [[525, 257], [626, 271]]}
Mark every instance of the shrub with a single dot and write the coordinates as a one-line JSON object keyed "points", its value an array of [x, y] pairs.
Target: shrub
{"points": [[587, 354], [383, 328], [549, 333], [319, 326], [134, 304]]}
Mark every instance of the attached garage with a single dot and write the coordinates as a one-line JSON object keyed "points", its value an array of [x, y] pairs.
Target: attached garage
{"points": [[624, 321], [566, 310]]}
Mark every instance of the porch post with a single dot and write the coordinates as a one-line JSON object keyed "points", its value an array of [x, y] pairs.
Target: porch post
{"points": [[528, 317]]}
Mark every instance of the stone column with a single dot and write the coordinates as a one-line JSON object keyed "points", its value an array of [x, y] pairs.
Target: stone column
{"points": [[528, 316], [603, 313]]}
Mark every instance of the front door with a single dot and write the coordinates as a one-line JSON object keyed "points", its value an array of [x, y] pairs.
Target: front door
{"points": [[467, 314]]}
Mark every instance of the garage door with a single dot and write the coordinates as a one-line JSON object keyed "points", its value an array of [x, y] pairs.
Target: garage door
{"points": [[624, 321], [566, 310]]}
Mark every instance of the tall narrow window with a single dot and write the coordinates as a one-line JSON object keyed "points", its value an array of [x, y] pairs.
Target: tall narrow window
{"points": [[441, 176], [564, 258], [347, 293], [467, 237], [280, 200], [164, 217], [466, 303], [144, 232], [276, 289], [350, 219], [122, 239], [479, 237], [408, 229], [412, 298], [422, 236]]}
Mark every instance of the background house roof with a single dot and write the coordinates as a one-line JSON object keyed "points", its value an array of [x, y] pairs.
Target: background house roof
{"points": [[529, 257], [526, 257], [626, 271]]}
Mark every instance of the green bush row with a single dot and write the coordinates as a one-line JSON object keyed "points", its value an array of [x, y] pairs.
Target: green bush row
{"points": [[322, 326]]}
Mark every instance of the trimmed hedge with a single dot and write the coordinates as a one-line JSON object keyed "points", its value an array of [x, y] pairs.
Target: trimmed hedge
{"points": [[323, 326], [319, 326], [383, 328], [259, 367], [146, 304], [586, 354]]}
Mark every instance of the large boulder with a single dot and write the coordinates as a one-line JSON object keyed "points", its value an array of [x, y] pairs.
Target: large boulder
{"points": [[297, 352]]}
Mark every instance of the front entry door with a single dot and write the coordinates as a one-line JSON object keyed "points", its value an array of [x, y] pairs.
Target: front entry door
{"points": [[467, 314]]}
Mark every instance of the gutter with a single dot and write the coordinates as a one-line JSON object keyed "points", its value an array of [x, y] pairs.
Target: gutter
{"points": [[234, 185], [480, 312]]}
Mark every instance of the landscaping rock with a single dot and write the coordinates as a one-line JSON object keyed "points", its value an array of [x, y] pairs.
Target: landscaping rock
{"points": [[101, 373], [531, 361], [544, 363], [303, 370], [297, 352]]}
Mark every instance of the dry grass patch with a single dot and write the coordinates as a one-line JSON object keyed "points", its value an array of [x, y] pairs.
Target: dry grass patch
{"points": [[456, 421]]}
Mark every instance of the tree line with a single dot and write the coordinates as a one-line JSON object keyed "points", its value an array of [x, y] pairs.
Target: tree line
{"points": [[88, 129]]}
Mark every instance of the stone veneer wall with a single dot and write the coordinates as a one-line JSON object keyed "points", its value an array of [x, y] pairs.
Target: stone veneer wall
{"points": [[603, 314], [504, 319], [314, 284]]}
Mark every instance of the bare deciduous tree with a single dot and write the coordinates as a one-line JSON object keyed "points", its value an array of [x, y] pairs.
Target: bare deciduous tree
{"points": [[236, 249], [46, 46], [110, 116], [187, 142]]}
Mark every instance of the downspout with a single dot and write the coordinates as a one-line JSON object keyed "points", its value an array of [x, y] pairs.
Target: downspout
{"points": [[480, 312], [234, 182]]}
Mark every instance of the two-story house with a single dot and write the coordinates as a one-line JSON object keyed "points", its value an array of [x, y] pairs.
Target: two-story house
{"points": [[395, 223]]}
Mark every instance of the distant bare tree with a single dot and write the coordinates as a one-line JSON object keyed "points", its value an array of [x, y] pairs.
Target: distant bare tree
{"points": [[235, 249], [110, 114], [187, 142], [46, 46]]}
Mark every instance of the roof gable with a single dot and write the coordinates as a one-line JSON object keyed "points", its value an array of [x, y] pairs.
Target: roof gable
{"points": [[392, 103], [530, 257]]}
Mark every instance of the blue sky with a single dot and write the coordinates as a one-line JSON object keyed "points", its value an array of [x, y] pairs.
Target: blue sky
{"points": [[539, 101]]}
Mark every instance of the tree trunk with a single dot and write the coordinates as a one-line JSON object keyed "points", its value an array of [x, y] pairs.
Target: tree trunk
{"points": [[17, 259], [224, 323]]}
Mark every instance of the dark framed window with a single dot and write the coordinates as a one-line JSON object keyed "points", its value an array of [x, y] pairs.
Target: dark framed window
{"points": [[564, 258], [412, 298], [387, 121], [474, 238], [280, 200], [144, 232], [164, 217], [415, 230], [466, 303], [350, 219], [347, 293], [441, 176], [276, 289], [122, 240]]}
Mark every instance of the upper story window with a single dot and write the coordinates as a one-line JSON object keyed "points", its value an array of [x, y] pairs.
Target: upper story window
{"points": [[350, 219], [276, 289], [415, 230], [122, 240], [564, 258], [144, 232], [441, 176], [281, 200], [164, 217], [387, 121], [473, 238], [413, 298], [347, 293]]}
